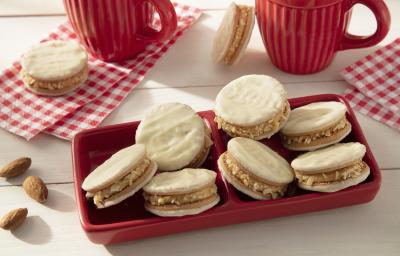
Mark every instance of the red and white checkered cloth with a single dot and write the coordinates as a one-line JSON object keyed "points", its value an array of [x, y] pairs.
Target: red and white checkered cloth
{"points": [[27, 114], [376, 79]]}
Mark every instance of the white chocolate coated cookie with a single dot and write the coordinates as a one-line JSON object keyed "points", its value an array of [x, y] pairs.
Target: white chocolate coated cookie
{"points": [[115, 167], [54, 60], [250, 100], [182, 181], [330, 158], [314, 116], [173, 134], [260, 160]]}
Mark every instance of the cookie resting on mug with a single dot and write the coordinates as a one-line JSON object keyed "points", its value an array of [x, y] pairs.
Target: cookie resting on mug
{"points": [[252, 106], [233, 34], [54, 68]]}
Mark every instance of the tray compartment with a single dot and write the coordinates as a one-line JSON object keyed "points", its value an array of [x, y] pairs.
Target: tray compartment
{"points": [[97, 146], [275, 144]]}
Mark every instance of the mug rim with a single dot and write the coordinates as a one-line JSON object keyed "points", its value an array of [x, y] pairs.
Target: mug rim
{"points": [[305, 4]]}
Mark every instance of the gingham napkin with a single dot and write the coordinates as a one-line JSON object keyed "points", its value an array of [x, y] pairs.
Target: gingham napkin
{"points": [[376, 81], [26, 114]]}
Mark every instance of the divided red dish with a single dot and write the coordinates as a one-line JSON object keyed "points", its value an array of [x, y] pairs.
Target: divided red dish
{"points": [[128, 220]]}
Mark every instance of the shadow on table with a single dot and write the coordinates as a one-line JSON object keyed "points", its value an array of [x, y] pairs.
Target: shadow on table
{"points": [[60, 201], [33, 231]]}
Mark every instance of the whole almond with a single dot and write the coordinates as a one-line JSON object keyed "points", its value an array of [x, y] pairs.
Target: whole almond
{"points": [[13, 219], [15, 167], [35, 188]]}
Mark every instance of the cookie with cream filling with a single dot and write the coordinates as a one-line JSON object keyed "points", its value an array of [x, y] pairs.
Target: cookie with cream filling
{"points": [[54, 68], [332, 168], [254, 169], [184, 192], [119, 177], [252, 106], [315, 125], [233, 34], [175, 136]]}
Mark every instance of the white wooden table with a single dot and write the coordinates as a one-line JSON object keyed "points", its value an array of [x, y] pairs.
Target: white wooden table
{"points": [[53, 228]]}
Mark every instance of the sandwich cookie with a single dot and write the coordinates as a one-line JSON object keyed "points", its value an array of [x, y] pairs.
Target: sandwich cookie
{"points": [[254, 169], [175, 137], [315, 125], [332, 168], [233, 34], [184, 192], [54, 68], [119, 177], [252, 106]]}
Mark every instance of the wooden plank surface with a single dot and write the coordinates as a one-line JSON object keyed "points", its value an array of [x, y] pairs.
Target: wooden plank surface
{"points": [[53, 228]]}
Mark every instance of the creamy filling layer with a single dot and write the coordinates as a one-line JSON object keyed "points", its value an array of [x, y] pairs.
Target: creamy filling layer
{"points": [[307, 139], [239, 35], [352, 171], [181, 199], [121, 184], [235, 170], [255, 130], [55, 85]]}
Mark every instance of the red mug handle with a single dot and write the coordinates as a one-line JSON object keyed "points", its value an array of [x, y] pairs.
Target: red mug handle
{"points": [[382, 15], [168, 20]]}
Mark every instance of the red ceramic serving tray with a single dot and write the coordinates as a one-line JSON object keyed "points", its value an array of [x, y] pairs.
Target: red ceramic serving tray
{"points": [[129, 220]]}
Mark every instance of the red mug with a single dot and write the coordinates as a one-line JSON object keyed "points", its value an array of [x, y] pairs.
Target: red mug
{"points": [[114, 30], [302, 36]]}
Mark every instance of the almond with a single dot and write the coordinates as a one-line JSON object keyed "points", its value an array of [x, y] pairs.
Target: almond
{"points": [[16, 167], [13, 219], [35, 188]]}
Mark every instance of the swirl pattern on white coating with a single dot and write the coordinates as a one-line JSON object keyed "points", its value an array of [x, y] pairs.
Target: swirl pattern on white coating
{"points": [[182, 181], [329, 158], [250, 100], [260, 160], [54, 60], [314, 116], [173, 134]]}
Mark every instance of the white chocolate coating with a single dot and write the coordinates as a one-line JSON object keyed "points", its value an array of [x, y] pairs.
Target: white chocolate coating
{"points": [[250, 100], [332, 157], [54, 60], [260, 160], [314, 116], [173, 134], [182, 181], [114, 168]]}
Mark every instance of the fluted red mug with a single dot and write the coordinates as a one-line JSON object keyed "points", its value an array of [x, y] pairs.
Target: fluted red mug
{"points": [[114, 30], [302, 36]]}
